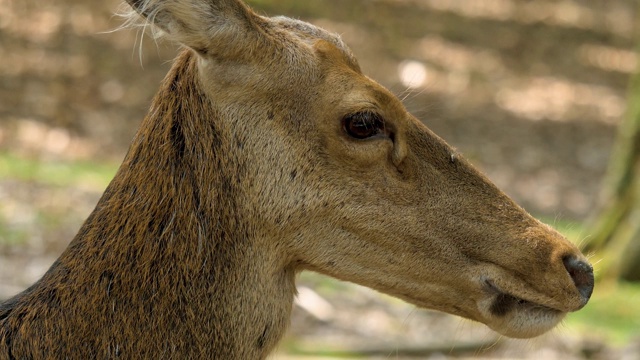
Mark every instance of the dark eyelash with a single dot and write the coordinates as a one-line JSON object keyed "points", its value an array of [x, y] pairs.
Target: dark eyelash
{"points": [[363, 125]]}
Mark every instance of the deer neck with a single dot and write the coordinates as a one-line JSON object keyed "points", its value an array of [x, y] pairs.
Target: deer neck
{"points": [[168, 253]]}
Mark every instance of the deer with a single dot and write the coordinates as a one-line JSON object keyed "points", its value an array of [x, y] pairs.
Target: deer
{"points": [[267, 152]]}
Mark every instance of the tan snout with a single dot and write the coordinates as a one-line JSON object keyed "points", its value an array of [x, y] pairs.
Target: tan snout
{"points": [[527, 295]]}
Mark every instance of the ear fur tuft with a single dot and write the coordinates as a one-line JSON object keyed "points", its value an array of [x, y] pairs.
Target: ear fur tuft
{"points": [[199, 24]]}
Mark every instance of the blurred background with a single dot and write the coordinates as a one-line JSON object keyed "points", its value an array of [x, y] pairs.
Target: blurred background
{"points": [[536, 93]]}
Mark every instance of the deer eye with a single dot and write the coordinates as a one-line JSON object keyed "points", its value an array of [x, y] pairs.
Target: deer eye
{"points": [[363, 125]]}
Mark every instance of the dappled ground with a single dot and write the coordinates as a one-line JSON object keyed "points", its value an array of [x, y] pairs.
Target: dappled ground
{"points": [[530, 91]]}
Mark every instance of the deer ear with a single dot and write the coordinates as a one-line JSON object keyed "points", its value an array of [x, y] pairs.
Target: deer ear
{"points": [[214, 27]]}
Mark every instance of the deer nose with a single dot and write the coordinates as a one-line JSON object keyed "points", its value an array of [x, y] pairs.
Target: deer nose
{"points": [[582, 274]]}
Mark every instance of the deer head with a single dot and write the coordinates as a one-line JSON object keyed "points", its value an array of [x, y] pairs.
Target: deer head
{"points": [[339, 178]]}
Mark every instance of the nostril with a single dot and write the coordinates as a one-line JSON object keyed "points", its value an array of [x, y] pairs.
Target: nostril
{"points": [[581, 273]]}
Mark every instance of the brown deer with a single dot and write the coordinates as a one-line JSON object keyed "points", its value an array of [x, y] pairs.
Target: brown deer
{"points": [[267, 152]]}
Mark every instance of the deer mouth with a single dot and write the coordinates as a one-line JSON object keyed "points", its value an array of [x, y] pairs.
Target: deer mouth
{"points": [[504, 303], [517, 317]]}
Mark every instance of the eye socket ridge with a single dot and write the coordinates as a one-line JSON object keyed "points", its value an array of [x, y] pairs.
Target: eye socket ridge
{"points": [[364, 124]]}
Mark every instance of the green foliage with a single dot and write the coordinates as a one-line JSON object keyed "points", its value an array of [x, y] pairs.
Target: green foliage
{"points": [[613, 313], [43, 205], [55, 172]]}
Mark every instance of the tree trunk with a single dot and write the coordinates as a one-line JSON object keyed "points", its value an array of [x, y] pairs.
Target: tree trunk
{"points": [[616, 230]]}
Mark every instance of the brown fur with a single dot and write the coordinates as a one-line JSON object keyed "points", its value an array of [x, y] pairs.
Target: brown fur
{"points": [[242, 175]]}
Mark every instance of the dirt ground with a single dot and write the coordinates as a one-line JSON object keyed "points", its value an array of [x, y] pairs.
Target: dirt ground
{"points": [[530, 91]]}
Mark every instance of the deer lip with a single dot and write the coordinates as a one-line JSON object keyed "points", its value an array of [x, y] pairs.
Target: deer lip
{"points": [[505, 302]]}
